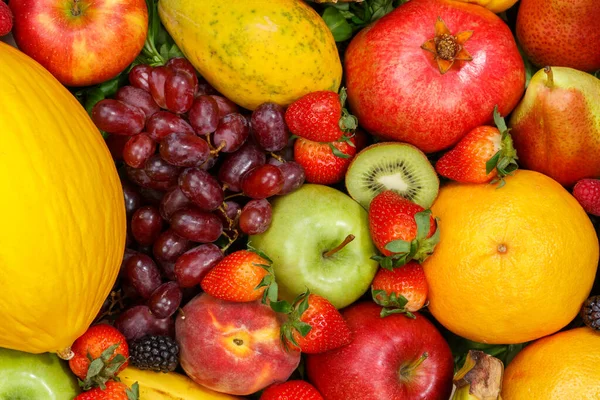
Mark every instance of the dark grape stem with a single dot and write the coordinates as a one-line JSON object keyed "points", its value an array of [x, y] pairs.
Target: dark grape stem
{"points": [[223, 209], [230, 239], [277, 157], [231, 196], [116, 306]]}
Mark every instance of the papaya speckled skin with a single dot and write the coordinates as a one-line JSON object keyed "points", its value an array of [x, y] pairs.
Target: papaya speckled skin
{"points": [[255, 51]]}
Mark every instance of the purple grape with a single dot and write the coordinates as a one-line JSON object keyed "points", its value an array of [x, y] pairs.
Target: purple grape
{"points": [[169, 246], [225, 105], [163, 123], [204, 115], [235, 165], [138, 321], [173, 201], [139, 75], [201, 188], [262, 182], [179, 91], [184, 149], [139, 98], [231, 133], [293, 175], [139, 177], [143, 274], [268, 126], [156, 82], [196, 225], [194, 264], [159, 170], [165, 300], [117, 117], [255, 217], [133, 199], [229, 214], [138, 150], [146, 225]]}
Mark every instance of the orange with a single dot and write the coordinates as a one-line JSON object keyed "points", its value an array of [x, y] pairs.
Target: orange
{"points": [[558, 367], [63, 215], [514, 263]]}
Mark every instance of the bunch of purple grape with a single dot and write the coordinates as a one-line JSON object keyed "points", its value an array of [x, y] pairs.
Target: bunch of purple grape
{"points": [[197, 174]]}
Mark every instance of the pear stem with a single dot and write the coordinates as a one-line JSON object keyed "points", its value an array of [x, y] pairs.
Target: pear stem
{"points": [[549, 77], [331, 252]]}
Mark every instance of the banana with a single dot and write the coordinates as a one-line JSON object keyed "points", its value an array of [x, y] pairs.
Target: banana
{"points": [[480, 378], [170, 386]]}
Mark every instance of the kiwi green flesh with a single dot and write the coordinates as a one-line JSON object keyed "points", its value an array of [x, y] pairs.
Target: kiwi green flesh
{"points": [[392, 166]]}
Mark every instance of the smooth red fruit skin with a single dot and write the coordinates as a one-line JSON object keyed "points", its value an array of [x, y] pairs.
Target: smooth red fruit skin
{"points": [[368, 368], [587, 193], [397, 92], [543, 25], [84, 49], [291, 390]]}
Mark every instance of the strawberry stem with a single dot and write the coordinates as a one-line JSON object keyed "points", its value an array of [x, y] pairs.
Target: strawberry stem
{"points": [[339, 247]]}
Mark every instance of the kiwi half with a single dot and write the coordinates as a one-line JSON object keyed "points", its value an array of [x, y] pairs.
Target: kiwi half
{"points": [[396, 166]]}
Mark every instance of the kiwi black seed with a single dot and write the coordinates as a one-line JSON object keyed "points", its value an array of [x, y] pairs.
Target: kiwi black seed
{"points": [[400, 167]]}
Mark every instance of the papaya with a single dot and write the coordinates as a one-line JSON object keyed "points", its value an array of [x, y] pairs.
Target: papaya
{"points": [[63, 227], [255, 51]]}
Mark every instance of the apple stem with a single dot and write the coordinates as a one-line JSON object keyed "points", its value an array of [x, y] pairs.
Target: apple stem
{"points": [[406, 370], [331, 252], [75, 10], [549, 77]]}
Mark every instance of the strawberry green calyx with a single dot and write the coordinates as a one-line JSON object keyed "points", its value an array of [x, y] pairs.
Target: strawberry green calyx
{"points": [[392, 303], [505, 160], [133, 393], [418, 249], [103, 368], [293, 323], [348, 122], [272, 289]]}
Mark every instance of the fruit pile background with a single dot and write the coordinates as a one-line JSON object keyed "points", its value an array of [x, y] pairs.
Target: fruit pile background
{"points": [[205, 284]]}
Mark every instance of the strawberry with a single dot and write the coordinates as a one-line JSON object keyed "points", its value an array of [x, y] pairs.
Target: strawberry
{"points": [[291, 390], [99, 355], [400, 290], [587, 193], [112, 391], [485, 154], [6, 19], [400, 229], [314, 325], [241, 276], [320, 116], [324, 163]]}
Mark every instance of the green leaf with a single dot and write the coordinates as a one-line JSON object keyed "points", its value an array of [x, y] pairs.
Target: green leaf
{"points": [[282, 307], [303, 306], [302, 327], [492, 162], [337, 24], [499, 121], [337, 153], [423, 220], [257, 251], [109, 352], [134, 392], [94, 368], [273, 291], [398, 246]]}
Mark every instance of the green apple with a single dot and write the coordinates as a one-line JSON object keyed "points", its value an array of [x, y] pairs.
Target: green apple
{"points": [[308, 244], [26, 376]]}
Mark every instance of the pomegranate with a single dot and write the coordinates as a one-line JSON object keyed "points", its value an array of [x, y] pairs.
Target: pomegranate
{"points": [[432, 70]]}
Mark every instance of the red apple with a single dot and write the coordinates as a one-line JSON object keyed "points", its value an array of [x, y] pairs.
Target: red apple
{"points": [[81, 42], [432, 70], [233, 348], [395, 357]]}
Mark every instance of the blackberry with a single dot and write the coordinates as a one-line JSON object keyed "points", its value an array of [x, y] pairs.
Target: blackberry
{"points": [[590, 312], [155, 353]]}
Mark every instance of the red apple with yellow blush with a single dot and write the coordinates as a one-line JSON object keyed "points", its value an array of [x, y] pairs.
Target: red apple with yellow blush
{"points": [[81, 42]]}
